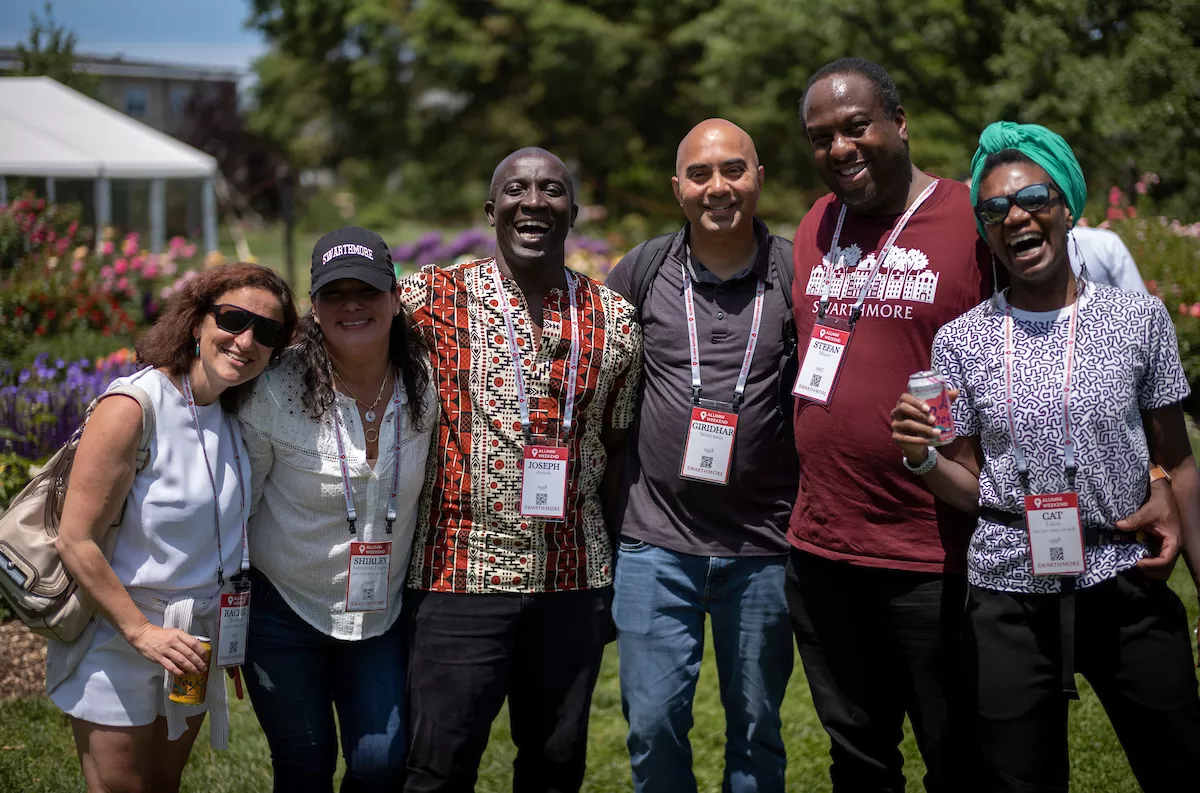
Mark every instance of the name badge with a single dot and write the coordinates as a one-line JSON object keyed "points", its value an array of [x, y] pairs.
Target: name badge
{"points": [[822, 362], [367, 584], [1055, 534], [709, 450], [544, 482], [232, 626]]}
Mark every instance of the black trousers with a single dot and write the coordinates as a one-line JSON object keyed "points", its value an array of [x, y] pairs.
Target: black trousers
{"points": [[878, 644], [468, 652], [1131, 643]]}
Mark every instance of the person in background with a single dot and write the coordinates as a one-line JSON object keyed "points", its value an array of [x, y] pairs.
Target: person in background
{"points": [[537, 371], [338, 436], [1066, 390], [1107, 259], [181, 533], [703, 529]]}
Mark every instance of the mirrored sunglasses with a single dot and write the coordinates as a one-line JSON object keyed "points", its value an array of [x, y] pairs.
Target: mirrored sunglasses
{"points": [[1032, 198], [234, 319]]}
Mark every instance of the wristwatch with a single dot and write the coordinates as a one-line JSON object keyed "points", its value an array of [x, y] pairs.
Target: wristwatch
{"points": [[1158, 472], [931, 458]]}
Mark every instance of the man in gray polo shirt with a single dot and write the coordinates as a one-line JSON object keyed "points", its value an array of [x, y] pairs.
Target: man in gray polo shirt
{"points": [[710, 476]]}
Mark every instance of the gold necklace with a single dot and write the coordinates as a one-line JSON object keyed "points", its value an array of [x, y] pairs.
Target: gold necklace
{"points": [[370, 414]]}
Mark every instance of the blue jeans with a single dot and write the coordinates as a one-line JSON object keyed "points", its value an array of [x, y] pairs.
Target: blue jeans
{"points": [[659, 609], [297, 676]]}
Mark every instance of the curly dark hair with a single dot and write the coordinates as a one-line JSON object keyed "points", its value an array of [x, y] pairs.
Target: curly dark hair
{"points": [[406, 349], [169, 343], [881, 81]]}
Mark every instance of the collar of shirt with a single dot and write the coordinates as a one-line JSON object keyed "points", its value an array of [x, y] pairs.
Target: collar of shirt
{"points": [[760, 266]]}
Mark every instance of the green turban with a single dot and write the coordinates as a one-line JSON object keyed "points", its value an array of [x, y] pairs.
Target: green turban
{"points": [[1046, 148]]}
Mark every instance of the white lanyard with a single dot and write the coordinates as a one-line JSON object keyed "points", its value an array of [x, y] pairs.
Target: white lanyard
{"points": [[690, 307], [573, 368], [351, 514], [237, 459], [1068, 445], [879, 260]]}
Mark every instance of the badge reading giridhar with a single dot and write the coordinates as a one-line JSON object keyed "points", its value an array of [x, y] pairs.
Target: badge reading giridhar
{"points": [[709, 449]]}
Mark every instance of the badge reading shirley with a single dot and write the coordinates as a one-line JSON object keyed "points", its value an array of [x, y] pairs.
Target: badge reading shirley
{"points": [[544, 482], [1055, 534], [709, 450], [822, 361], [233, 624], [367, 583]]}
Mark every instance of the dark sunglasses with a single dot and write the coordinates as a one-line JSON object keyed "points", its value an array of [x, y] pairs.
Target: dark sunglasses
{"points": [[234, 319], [1033, 198]]}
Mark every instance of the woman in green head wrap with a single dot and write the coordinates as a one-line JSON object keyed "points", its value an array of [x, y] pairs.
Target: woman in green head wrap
{"points": [[1063, 392]]}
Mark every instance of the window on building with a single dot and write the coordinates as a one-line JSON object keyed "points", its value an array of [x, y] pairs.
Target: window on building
{"points": [[180, 96], [137, 101]]}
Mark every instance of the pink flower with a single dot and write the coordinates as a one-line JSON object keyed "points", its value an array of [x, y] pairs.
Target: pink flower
{"points": [[1083, 221], [166, 292], [73, 228], [1152, 287], [77, 266], [136, 264], [1114, 213], [1183, 309], [1140, 187], [1114, 196], [187, 251], [150, 270], [1195, 310], [106, 272], [1131, 212], [107, 248], [176, 243], [169, 267], [130, 246], [123, 285], [120, 266]]}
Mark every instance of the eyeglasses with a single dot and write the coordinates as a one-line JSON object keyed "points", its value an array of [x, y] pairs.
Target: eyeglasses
{"points": [[1032, 198], [235, 319]]}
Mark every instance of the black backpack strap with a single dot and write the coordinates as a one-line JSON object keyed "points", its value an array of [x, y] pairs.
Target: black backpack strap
{"points": [[789, 365], [785, 269], [651, 256]]}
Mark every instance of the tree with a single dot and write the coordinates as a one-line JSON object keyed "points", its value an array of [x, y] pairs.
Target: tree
{"points": [[50, 52]]}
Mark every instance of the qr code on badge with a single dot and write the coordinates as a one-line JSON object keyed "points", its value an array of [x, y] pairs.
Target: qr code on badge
{"points": [[541, 499], [706, 462], [1056, 554], [368, 592], [816, 381]]}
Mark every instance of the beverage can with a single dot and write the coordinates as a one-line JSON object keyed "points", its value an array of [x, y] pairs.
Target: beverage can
{"points": [[930, 387], [192, 689]]}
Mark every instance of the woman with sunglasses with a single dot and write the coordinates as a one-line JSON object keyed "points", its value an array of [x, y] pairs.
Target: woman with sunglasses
{"points": [[181, 534], [1066, 391], [338, 435]]}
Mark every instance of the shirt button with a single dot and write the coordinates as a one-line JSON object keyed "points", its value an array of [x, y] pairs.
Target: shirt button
{"points": [[720, 315]]}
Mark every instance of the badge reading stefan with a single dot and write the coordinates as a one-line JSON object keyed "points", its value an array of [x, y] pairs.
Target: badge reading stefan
{"points": [[1055, 534], [367, 584], [822, 362], [709, 449]]}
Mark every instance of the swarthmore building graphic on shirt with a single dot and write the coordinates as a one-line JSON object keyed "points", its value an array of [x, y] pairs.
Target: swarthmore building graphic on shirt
{"points": [[905, 275]]}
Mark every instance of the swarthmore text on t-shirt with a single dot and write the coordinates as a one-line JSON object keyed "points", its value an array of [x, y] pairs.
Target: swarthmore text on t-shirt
{"points": [[856, 501]]}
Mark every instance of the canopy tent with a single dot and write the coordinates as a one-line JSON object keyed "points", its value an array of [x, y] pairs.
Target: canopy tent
{"points": [[49, 130]]}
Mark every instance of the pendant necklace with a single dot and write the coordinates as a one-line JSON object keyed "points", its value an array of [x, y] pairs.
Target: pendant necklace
{"points": [[370, 414]]}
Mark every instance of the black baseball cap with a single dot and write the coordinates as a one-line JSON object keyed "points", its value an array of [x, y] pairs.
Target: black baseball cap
{"points": [[352, 252]]}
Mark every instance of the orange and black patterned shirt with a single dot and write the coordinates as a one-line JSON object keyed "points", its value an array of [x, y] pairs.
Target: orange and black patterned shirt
{"points": [[470, 535]]}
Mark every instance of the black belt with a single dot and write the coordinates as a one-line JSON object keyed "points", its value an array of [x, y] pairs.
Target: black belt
{"points": [[1092, 535]]}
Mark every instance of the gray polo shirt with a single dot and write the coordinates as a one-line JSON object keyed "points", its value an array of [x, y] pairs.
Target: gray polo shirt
{"points": [[749, 516]]}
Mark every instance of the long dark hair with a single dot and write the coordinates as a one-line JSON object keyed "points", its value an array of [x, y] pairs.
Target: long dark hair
{"points": [[169, 343], [406, 350]]}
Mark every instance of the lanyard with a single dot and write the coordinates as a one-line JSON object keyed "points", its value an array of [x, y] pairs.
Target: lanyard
{"points": [[344, 465], [573, 369], [879, 260], [237, 459], [1068, 445], [744, 374]]}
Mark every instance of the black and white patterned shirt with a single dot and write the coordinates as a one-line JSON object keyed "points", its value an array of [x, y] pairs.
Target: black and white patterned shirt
{"points": [[1126, 361]]}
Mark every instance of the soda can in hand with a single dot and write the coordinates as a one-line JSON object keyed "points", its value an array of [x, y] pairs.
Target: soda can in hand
{"points": [[930, 387]]}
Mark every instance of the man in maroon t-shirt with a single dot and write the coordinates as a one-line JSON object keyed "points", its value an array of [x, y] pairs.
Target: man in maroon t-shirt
{"points": [[876, 585]]}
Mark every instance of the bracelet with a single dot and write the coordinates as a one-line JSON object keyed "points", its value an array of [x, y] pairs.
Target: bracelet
{"points": [[927, 465], [1158, 472]]}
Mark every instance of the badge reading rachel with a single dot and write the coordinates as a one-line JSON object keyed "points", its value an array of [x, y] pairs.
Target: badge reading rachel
{"points": [[367, 584], [232, 627], [1055, 534], [544, 482], [822, 363], [709, 449]]}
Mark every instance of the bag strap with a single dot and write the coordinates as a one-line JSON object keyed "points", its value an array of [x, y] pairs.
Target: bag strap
{"points": [[649, 259], [781, 261], [148, 420]]}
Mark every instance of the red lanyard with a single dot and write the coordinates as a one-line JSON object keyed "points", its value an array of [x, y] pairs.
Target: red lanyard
{"points": [[879, 260], [744, 374], [237, 459], [573, 367], [1068, 444], [344, 465]]}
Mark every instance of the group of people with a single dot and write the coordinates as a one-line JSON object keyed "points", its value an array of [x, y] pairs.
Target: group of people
{"points": [[443, 493]]}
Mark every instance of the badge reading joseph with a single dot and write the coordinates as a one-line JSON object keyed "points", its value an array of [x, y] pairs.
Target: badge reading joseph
{"points": [[544, 482], [709, 449]]}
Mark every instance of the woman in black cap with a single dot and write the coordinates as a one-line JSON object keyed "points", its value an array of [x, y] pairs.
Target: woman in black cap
{"points": [[338, 438], [1067, 391]]}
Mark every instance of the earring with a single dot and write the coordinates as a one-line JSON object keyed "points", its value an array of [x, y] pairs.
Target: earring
{"points": [[196, 349], [995, 284]]}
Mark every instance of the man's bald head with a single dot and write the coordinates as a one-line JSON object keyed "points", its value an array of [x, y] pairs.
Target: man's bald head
{"points": [[502, 170], [717, 131]]}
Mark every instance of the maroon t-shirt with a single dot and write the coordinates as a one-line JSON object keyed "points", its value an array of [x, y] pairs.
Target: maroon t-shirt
{"points": [[856, 502]]}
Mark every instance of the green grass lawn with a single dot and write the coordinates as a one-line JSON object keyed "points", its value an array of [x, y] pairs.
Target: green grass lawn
{"points": [[37, 754]]}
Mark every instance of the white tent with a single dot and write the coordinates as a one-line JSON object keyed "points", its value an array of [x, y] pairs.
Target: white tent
{"points": [[48, 130]]}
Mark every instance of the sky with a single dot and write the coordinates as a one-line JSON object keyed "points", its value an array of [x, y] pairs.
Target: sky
{"points": [[193, 32]]}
